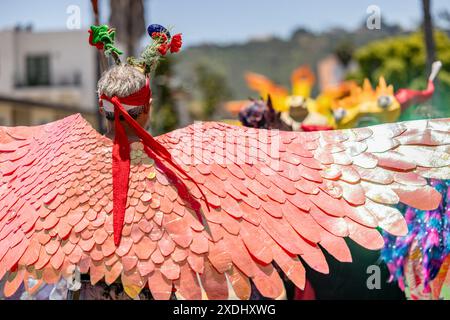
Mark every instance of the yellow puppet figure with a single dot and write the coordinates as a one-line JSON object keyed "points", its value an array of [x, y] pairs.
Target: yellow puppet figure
{"points": [[320, 112], [379, 105], [366, 103]]}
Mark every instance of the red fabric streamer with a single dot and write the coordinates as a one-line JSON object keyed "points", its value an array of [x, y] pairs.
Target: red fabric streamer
{"points": [[121, 173], [181, 187], [121, 159], [137, 99], [313, 127]]}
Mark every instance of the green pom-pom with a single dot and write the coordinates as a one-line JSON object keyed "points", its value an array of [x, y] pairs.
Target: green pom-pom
{"points": [[103, 37]]}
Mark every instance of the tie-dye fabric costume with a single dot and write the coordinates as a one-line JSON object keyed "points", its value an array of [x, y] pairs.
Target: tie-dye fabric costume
{"points": [[420, 260]]}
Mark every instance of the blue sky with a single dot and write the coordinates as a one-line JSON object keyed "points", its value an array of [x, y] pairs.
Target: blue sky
{"points": [[225, 21]]}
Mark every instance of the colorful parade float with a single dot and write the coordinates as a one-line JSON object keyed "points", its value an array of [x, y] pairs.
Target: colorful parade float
{"points": [[341, 106], [419, 262]]}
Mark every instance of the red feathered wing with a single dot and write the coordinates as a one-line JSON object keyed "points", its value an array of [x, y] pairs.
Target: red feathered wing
{"points": [[278, 197]]}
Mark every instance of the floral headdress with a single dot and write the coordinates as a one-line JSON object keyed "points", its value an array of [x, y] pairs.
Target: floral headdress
{"points": [[103, 38]]}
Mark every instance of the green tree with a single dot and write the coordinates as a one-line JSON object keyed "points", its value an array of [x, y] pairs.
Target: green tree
{"points": [[213, 89], [401, 60], [344, 52], [164, 115]]}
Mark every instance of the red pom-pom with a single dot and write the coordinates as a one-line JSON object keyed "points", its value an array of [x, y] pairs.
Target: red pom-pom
{"points": [[163, 49], [159, 35], [98, 45], [176, 43]]}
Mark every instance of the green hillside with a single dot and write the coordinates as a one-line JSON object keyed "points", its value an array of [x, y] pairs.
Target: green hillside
{"points": [[273, 57]]}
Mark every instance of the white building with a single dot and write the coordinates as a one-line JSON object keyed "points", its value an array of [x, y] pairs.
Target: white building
{"points": [[55, 70]]}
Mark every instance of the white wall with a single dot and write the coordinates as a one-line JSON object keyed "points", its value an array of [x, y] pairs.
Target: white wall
{"points": [[6, 61], [69, 53]]}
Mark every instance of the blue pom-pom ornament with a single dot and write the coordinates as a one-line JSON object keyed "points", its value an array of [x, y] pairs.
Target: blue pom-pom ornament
{"points": [[157, 28]]}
